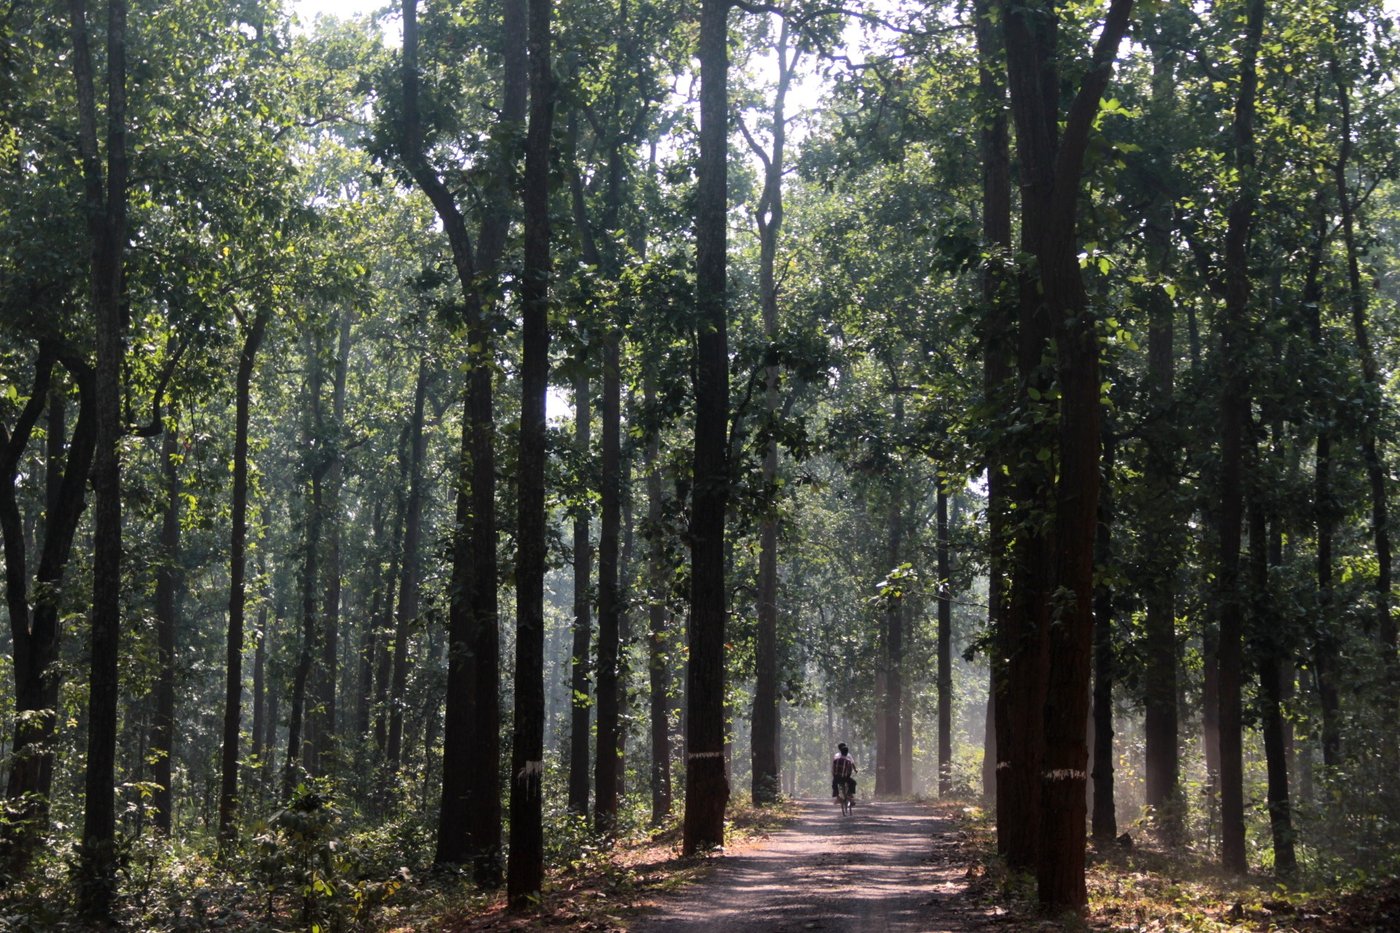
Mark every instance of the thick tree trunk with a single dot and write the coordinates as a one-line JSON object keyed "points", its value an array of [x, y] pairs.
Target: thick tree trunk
{"points": [[469, 820], [106, 206], [237, 598], [1234, 414], [1053, 300], [580, 668], [526, 863], [167, 586], [706, 783]]}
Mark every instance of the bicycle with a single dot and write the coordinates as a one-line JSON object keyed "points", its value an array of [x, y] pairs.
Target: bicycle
{"points": [[847, 799]]}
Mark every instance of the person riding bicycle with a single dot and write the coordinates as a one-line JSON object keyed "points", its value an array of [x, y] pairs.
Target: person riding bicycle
{"points": [[843, 766]]}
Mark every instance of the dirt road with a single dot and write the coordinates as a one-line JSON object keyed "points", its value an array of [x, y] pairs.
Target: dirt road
{"points": [[887, 867]]}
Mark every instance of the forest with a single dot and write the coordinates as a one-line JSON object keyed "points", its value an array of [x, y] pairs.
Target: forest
{"points": [[444, 443]]}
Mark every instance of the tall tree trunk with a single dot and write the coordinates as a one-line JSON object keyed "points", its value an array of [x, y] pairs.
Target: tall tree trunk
{"points": [[998, 339], [34, 627], [658, 595], [609, 607], [1371, 428], [385, 643], [167, 586], [945, 650], [370, 636], [1105, 817], [887, 777], [237, 597], [1053, 300], [106, 207], [1234, 414], [409, 581], [1269, 650], [1161, 729], [580, 706], [316, 467], [259, 728], [769, 217], [326, 726], [469, 820], [526, 863], [706, 784]]}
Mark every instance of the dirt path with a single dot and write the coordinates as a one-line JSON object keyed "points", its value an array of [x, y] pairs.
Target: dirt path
{"points": [[889, 866]]}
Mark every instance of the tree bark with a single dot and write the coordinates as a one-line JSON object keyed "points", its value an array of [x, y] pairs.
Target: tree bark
{"points": [[237, 598], [658, 595], [945, 650], [469, 819], [706, 783], [998, 339], [1053, 300], [409, 581], [106, 207], [168, 576], [327, 729], [769, 217], [609, 608], [1105, 816], [526, 864], [1376, 472], [1271, 655], [1234, 414], [580, 707]]}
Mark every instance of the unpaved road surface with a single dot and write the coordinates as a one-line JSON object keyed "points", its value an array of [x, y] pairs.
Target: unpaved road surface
{"points": [[890, 866]]}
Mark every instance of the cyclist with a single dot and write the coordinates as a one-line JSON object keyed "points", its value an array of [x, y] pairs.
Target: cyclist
{"points": [[843, 766]]}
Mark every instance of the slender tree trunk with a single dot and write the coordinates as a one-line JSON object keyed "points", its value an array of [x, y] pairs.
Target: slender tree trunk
{"points": [[326, 726], [106, 206], [1376, 472], [259, 727], [945, 650], [526, 863], [167, 586], [34, 628], [1269, 650], [237, 598], [409, 581], [1161, 728], [1234, 414], [310, 572], [370, 636], [1105, 817], [892, 752], [769, 216], [581, 706], [706, 784], [659, 589], [609, 609], [998, 341]]}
